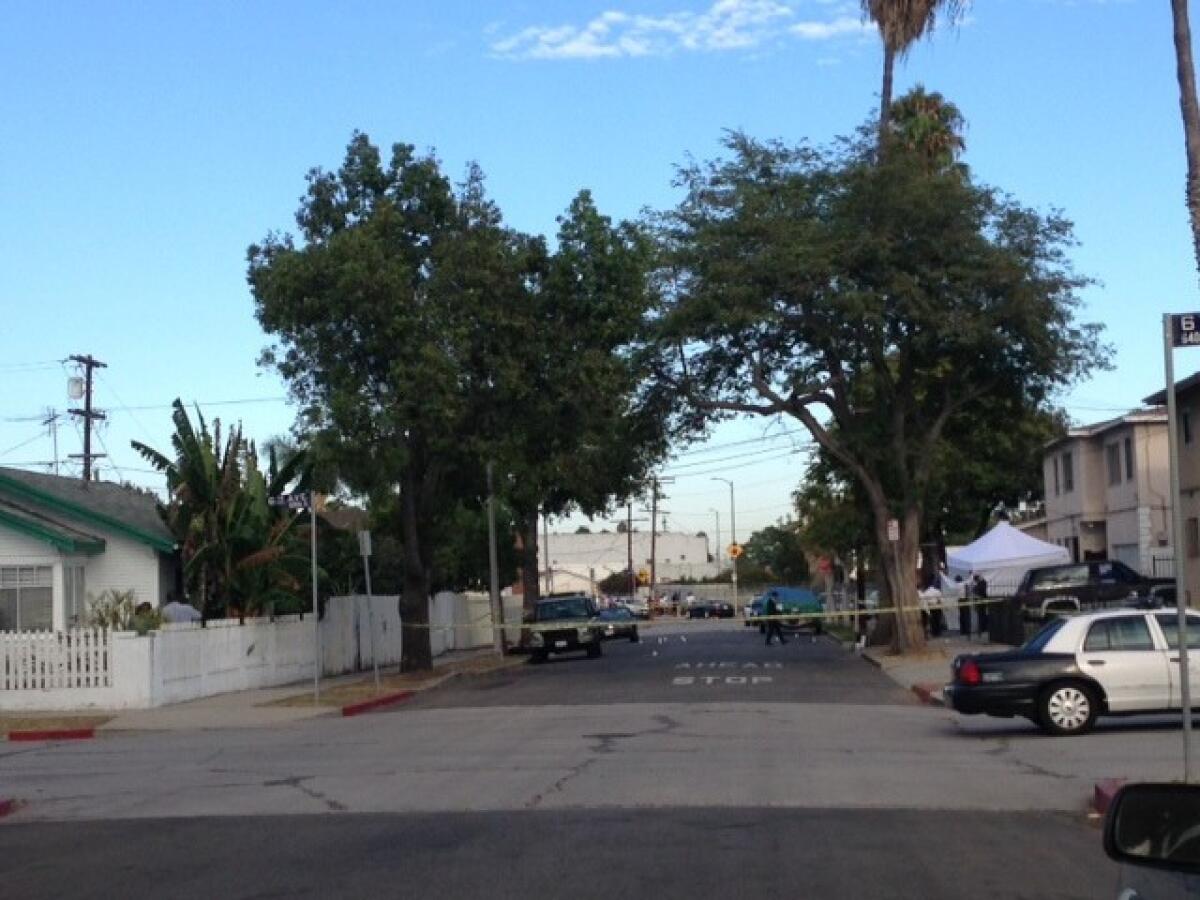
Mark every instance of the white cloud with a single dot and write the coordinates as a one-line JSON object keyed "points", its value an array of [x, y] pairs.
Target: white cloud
{"points": [[726, 25]]}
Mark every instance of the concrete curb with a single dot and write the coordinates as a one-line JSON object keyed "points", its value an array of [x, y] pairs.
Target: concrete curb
{"points": [[929, 694], [9, 806], [57, 734], [355, 709], [1103, 793]]}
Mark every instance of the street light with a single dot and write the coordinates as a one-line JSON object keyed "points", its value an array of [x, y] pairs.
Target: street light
{"points": [[732, 535], [717, 540]]}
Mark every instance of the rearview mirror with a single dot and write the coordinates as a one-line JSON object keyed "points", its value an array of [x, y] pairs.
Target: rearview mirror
{"points": [[1156, 825]]}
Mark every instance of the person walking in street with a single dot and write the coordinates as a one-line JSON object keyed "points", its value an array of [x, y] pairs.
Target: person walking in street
{"points": [[774, 629]]}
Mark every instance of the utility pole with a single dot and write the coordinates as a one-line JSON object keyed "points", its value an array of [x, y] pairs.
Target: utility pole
{"points": [[546, 550], [629, 542], [654, 483], [51, 422], [87, 413], [732, 537]]}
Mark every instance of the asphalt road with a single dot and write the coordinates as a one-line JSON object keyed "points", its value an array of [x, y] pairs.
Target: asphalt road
{"points": [[661, 769], [686, 854], [680, 662]]}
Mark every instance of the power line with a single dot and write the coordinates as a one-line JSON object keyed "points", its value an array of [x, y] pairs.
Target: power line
{"points": [[36, 437]]}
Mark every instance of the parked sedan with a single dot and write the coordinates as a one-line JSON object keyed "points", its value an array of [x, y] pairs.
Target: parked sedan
{"points": [[1112, 663], [617, 622], [711, 609]]}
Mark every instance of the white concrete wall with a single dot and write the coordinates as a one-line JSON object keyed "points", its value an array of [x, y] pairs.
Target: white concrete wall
{"points": [[124, 565], [461, 622], [346, 639]]}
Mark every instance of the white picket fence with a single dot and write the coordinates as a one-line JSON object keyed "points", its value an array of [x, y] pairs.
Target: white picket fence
{"points": [[46, 660]]}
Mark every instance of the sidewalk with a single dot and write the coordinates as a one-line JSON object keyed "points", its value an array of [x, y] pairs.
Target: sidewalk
{"points": [[268, 707], [925, 673]]}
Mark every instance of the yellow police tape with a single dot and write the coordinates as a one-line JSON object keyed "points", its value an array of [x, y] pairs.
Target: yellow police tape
{"points": [[663, 619]]}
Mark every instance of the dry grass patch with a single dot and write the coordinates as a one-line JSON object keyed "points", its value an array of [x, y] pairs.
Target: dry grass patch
{"points": [[48, 722]]}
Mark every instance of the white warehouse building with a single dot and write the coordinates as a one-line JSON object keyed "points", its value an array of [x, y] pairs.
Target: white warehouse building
{"points": [[575, 559]]}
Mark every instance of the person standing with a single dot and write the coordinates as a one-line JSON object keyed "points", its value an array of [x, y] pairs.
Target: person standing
{"points": [[981, 589], [774, 629], [964, 611]]}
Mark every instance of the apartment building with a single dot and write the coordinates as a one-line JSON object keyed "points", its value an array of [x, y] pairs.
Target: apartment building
{"points": [[1108, 488]]}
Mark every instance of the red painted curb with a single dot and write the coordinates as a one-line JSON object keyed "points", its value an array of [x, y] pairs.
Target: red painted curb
{"points": [[930, 694], [1104, 792], [8, 807], [62, 734], [355, 709]]}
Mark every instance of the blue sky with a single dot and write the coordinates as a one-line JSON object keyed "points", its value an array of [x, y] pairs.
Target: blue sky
{"points": [[146, 145]]}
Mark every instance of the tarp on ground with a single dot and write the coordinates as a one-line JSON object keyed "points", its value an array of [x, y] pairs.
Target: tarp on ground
{"points": [[1003, 556]]}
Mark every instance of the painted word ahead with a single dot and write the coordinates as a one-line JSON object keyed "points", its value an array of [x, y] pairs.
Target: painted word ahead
{"points": [[736, 673]]}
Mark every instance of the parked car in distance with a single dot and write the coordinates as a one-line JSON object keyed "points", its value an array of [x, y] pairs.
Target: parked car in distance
{"points": [[1084, 586], [1076, 668], [617, 622], [564, 624], [801, 605], [1153, 831], [640, 608], [711, 609]]}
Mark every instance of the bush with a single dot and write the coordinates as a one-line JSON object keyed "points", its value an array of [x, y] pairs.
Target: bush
{"points": [[117, 611]]}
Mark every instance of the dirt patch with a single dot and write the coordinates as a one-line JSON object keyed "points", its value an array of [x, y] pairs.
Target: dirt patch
{"points": [[364, 689], [48, 722]]}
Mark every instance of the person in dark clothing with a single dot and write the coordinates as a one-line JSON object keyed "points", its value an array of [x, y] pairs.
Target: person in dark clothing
{"points": [[964, 611], [981, 589], [774, 628]]}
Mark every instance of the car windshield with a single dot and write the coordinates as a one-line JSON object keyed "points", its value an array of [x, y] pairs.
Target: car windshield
{"points": [[567, 608], [1038, 642]]}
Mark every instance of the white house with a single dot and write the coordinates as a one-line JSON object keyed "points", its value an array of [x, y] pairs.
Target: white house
{"points": [[63, 540], [574, 559]]}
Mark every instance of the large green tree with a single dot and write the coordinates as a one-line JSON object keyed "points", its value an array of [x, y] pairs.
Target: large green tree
{"points": [[375, 310], [873, 300], [779, 551]]}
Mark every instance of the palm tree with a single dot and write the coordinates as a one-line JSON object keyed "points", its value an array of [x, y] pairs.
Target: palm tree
{"points": [[901, 24], [1185, 71], [928, 125]]}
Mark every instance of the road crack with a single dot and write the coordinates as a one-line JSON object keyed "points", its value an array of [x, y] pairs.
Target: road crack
{"points": [[297, 782]]}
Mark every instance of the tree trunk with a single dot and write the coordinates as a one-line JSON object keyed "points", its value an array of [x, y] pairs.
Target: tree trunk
{"points": [[898, 562], [416, 653], [530, 580], [1186, 74], [885, 93]]}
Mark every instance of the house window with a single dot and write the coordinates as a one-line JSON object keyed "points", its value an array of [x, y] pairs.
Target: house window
{"points": [[1129, 459], [26, 598], [1112, 454], [1068, 474], [1192, 532], [1185, 424], [1057, 491]]}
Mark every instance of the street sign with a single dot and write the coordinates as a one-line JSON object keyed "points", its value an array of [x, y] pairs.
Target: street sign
{"points": [[893, 529], [1185, 330], [735, 550], [364, 543], [290, 501]]}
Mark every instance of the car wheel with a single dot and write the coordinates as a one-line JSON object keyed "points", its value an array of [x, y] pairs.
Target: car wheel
{"points": [[633, 637], [1069, 707], [537, 657], [594, 650]]}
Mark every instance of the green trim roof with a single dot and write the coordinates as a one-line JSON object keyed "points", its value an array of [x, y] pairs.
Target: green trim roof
{"points": [[58, 502], [41, 528]]}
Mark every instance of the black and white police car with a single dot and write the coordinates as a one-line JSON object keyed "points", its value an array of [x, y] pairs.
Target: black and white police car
{"points": [[1111, 663]]}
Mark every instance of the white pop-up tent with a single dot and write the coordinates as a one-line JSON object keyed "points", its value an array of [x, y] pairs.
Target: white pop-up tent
{"points": [[1003, 556]]}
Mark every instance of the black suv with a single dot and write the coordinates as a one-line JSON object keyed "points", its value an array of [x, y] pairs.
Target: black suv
{"points": [[1089, 585], [564, 625]]}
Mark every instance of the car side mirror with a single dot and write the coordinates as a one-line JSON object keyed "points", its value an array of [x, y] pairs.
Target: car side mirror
{"points": [[1155, 825]]}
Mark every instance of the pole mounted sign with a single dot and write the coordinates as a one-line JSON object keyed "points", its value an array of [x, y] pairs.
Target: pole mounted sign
{"points": [[1179, 330], [295, 501]]}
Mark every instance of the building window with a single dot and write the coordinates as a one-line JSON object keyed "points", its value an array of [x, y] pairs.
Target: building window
{"points": [[1129, 459], [1185, 424], [26, 598], [1112, 454], [1057, 490], [1068, 474], [1192, 532]]}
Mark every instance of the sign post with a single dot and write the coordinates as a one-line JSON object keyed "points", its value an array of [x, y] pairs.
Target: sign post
{"points": [[893, 535], [299, 502], [1182, 330], [364, 550]]}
